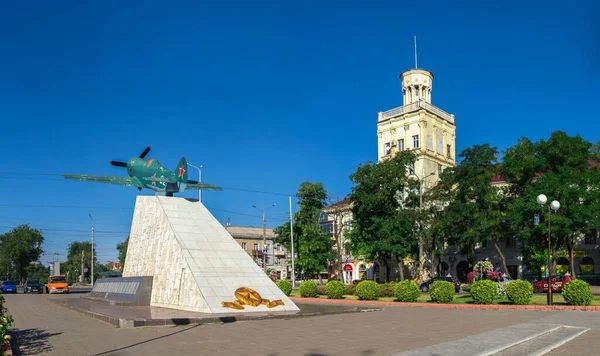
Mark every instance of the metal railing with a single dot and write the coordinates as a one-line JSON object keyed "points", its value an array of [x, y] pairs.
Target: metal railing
{"points": [[421, 104]]}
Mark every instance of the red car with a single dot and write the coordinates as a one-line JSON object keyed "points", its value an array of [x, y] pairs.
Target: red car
{"points": [[542, 286]]}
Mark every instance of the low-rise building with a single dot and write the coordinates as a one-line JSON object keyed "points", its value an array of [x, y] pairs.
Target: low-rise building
{"points": [[251, 240]]}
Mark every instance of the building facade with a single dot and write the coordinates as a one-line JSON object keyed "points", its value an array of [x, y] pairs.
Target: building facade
{"points": [[419, 126], [251, 240]]}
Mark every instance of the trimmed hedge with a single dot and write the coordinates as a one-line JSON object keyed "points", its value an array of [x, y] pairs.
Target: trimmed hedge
{"points": [[407, 291], [350, 289], [386, 289], [441, 292], [321, 290], [285, 286], [367, 290], [335, 290], [577, 292], [483, 292], [519, 292], [308, 289]]}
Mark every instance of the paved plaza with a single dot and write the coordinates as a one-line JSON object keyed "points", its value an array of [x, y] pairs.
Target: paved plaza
{"points": [[43, 327]]}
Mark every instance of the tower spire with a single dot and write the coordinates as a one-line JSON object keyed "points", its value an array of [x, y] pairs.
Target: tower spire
{"points": [[416, 65]]}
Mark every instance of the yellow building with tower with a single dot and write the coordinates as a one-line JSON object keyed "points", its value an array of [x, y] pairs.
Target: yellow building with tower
{"points": [[419, 126]]}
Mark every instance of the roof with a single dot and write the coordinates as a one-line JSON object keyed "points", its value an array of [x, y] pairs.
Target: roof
{"points": [[248, 232], [341, 202]]}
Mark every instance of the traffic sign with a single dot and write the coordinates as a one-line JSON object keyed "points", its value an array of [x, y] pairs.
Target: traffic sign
{"points": [[536, 219], [265, 251]]}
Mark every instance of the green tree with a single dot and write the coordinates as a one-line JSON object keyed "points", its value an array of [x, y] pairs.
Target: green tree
{"points": [[122, 248], [382, 229], [561, 168], [477, 211], [75, 251], [38, 271], [18, 248], [313, 246]]}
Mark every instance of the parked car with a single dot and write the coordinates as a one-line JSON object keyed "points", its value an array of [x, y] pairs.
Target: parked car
{"points": [[9, 286], [425, 285], [542, 285], [33, 285]]}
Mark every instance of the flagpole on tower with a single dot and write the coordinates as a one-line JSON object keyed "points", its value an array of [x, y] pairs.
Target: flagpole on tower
{"points": [[416, 66]]}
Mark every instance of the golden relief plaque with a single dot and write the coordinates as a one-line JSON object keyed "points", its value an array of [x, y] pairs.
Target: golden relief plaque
{"points": [[250, 297]]}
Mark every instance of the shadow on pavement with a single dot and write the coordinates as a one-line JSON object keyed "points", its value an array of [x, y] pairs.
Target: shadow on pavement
{"points": [[146, 341], [31, 341]]}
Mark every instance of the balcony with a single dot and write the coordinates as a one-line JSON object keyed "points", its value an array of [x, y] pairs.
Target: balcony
{"points": [[383, 116], [257, 253]]}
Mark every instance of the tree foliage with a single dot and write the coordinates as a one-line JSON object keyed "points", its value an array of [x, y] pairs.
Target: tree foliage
{"points": [[122, 248], [561, 168], [18, 248], [382, 228], [73, 263], [477, 210], [311, 244]]}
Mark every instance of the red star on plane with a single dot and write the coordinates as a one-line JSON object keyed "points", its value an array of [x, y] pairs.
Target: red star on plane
{"points": [[181, 171], [154, 180]]}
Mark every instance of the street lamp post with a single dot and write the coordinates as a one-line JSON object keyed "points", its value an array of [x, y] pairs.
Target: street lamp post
{"points": [[199, 179], [92, 278], [263, 211], [555, 205], [421, 242]]}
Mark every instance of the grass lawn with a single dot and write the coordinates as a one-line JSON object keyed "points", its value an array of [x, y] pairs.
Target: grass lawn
{"points": [[538, 299]]}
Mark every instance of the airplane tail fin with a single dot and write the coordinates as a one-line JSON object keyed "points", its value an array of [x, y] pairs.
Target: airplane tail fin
{"points": [[181, 171]]}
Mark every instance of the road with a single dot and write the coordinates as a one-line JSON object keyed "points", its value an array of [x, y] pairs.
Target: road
{"points": [[43, 327]]}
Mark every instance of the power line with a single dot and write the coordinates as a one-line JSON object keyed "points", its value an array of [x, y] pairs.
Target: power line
{"points": [[60, 175]]}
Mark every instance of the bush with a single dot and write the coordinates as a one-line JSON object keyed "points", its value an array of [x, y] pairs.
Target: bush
{"points": [[350, 289], [407, 291], [285, 286], [386, 289], [308, 289], [367, 290], [321, 290], [441, 292], [483, 292], [335, 290], [519, 292], [577, 292]]}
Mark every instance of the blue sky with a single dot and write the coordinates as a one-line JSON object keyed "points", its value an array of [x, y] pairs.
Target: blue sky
{"points": [[263, 95]]}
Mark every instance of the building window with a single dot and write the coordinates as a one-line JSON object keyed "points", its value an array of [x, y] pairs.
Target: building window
{"points": [[416, 141], [513, 270], [511, 242], [327, 226], [448, 150], [387, 150], [401, 144], [348, 225], [590, 238], [439, 168], [244, 245], [411, 168], [255, 247]]}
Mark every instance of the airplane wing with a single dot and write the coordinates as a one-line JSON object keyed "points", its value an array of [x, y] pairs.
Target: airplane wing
{"points": [[194, 185], [128, 181]]}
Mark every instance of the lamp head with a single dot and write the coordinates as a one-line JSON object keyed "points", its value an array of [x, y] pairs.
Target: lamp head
{"points": [[254, 206], [541, 199], [555, 205]]}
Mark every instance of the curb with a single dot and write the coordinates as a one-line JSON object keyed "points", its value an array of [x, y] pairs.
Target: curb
{"points": [[446, 306]]}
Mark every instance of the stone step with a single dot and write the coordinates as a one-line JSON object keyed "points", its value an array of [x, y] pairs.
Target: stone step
{"points": [[544, 343]]}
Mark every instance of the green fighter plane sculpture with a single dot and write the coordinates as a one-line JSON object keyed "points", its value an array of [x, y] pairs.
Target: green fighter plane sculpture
{"points": [[149, 174]]}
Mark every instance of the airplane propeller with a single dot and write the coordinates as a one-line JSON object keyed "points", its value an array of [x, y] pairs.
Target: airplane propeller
{"points": [[118, 164], [145, 152]]}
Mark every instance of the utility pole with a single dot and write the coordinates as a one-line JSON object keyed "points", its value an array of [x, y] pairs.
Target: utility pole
{"points": [[199, 179], [92, 275], [81, 266], [264, 234], [292, 236]]}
